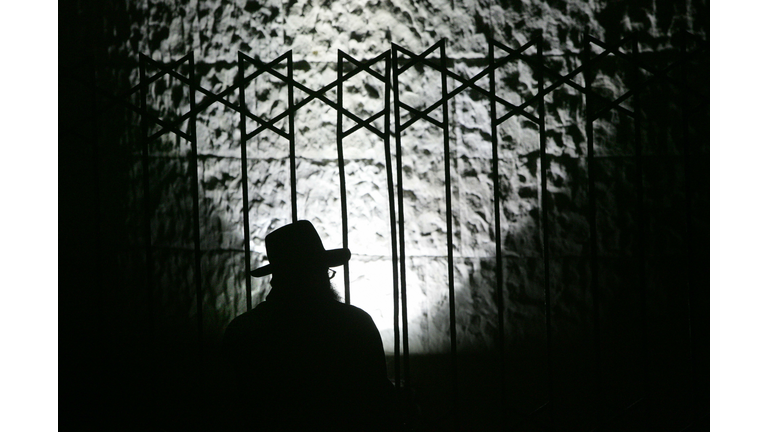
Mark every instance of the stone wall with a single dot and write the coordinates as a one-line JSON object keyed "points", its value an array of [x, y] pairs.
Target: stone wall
{"points": [[633, 318]]}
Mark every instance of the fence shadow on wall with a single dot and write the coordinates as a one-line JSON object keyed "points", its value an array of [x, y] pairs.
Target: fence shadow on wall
{"points": [[592, 293]]}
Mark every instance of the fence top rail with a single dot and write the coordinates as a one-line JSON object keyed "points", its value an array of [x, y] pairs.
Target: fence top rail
{"points": [[410, 59]]}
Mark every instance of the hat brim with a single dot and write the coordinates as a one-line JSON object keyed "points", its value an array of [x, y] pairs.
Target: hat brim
{"points": [[329, 258]]}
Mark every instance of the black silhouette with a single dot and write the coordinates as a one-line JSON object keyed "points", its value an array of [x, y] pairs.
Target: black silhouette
{"points": [[301, 359]]}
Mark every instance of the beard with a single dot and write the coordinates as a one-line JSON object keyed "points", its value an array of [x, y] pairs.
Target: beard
{"points": [[318, 286], [334, 294]]}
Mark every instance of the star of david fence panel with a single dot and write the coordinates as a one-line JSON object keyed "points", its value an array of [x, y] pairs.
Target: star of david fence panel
{"points": [[634, 108]]}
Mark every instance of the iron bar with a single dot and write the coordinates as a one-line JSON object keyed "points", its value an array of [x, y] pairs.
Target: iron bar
{"points": [[392, 217], [196, 201], [269, 124], [465, 84], [401, 218], [656, 75], [422, 58], [365, 65], [342, 178], [365, 123], [292, 139], [449, 224], [211, 97], [614, 50], [313, 94], [544, 215], [414, 58], [594, 286], [143, 111], [385, 135], [143, 84], [631, 92], [166, 127], [244, 181], [469, 83], [566, 79], [419, 115], [497, 225]]}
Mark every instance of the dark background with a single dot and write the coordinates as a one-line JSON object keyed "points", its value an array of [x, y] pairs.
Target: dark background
{"points": [[117, 375]]}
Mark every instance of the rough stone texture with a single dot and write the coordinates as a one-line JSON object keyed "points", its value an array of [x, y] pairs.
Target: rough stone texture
{"points": [[216, 30]]}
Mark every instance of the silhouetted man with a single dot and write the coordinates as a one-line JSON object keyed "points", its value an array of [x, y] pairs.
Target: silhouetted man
{"points": [[302, 359]]}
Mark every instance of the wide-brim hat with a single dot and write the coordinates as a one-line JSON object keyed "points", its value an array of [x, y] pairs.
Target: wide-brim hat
{"points": [[297, 247]]}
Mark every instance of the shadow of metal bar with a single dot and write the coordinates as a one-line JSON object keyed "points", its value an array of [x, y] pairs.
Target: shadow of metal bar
{"points": [[342, 177], [594, 288], [495, 175], [244, 183], [401, 219]]}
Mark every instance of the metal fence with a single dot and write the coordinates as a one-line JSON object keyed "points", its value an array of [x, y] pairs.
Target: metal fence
{"points": [[396, 61]]}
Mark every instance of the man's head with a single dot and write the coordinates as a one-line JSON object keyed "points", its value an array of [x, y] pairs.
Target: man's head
{"points": [[297, 258]]}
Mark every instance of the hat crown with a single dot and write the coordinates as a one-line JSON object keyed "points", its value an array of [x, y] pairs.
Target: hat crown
{"points": [[297, 243], [297, 247]]}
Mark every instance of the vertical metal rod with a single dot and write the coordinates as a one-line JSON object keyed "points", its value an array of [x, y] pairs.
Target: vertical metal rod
{"points": [[594, 286], [497, 224], [192, 130], [401, 216], [640, 251], [342, 179], [449, 223], [195, 198], [147, 201], [244, 180], [545, 215], [292, 138], [392, 217]]}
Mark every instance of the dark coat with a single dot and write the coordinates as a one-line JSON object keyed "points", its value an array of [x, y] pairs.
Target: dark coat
{"points": [[309, 364]]}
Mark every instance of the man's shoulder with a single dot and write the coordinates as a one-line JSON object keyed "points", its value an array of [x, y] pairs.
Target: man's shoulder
{"points": [[247, 318], [269, 311], [352, 312]]}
